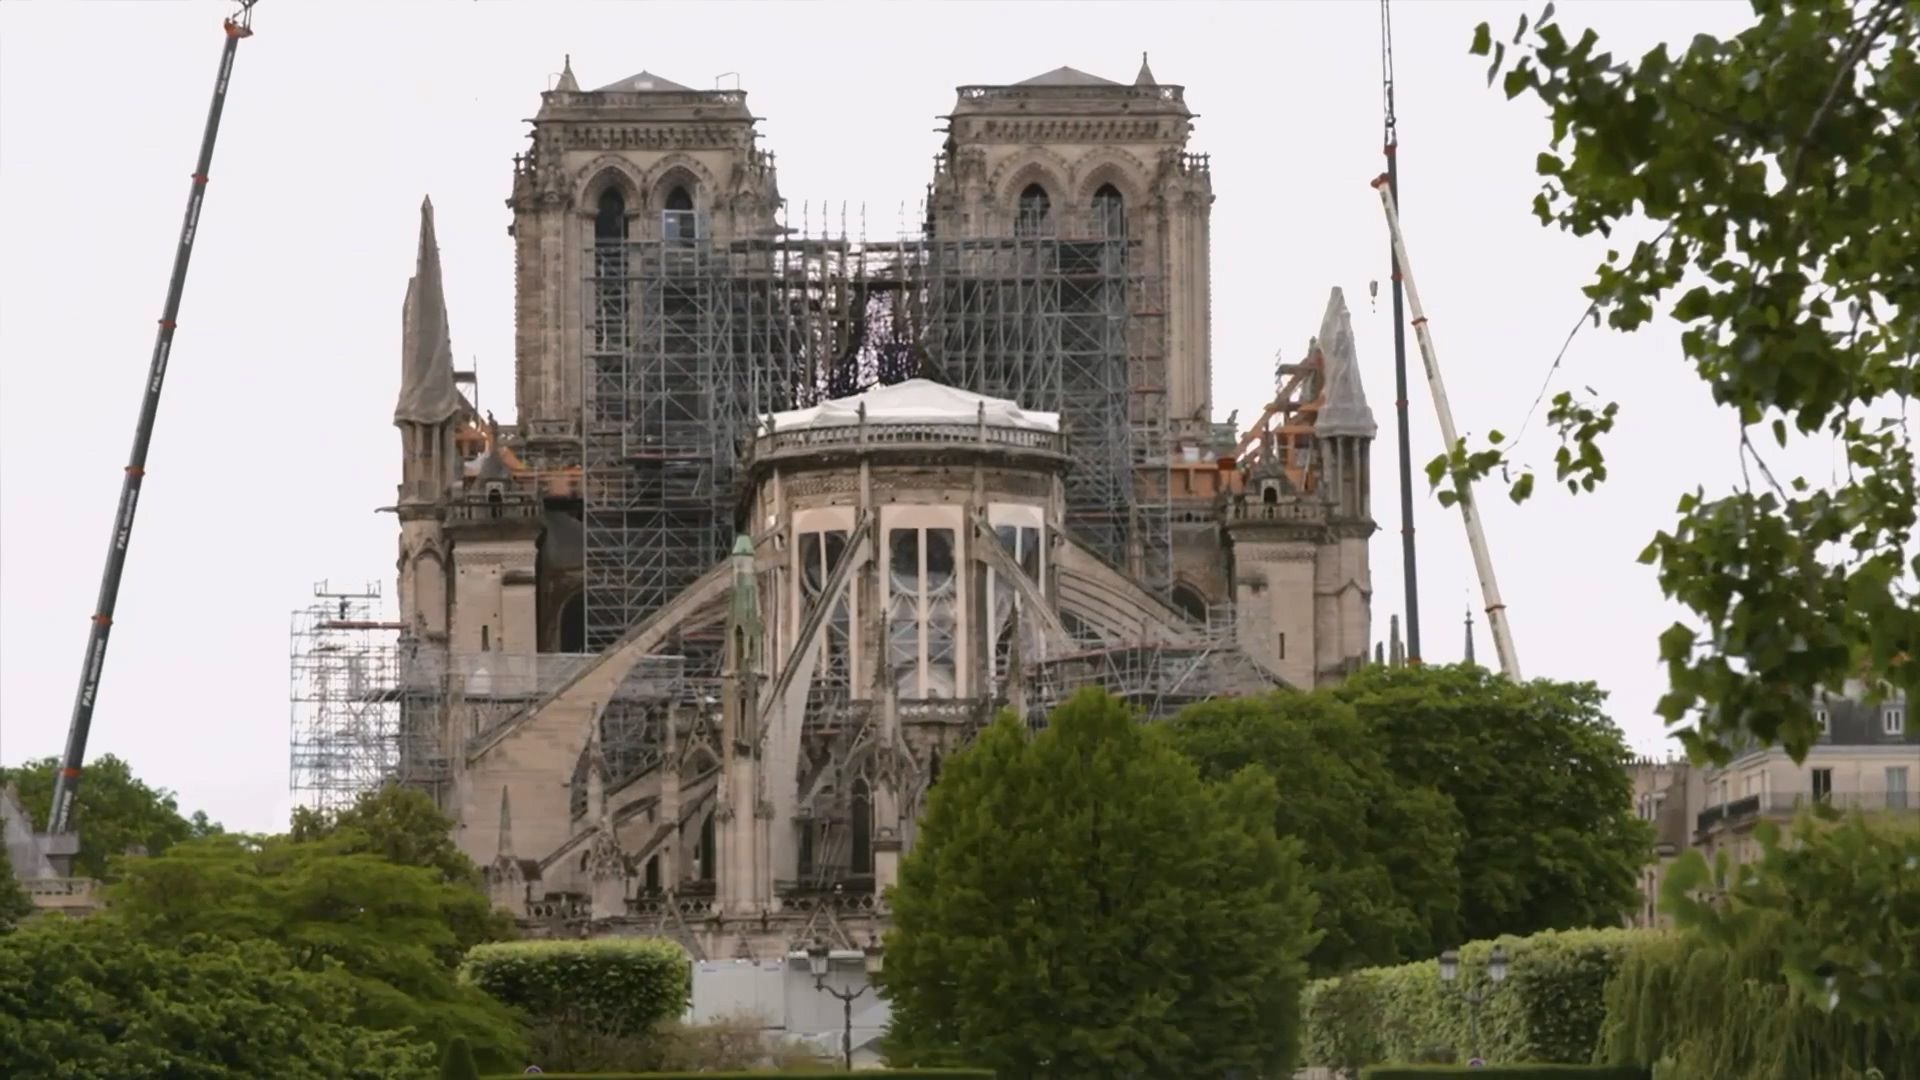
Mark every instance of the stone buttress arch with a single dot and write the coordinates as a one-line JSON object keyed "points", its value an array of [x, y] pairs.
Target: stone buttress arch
{"points": [[1034, 165], [686, 170], [605, 170], [1109, 165]]}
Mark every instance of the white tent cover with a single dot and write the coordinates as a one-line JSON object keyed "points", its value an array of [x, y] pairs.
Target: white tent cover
{"points": [[916, 401]]}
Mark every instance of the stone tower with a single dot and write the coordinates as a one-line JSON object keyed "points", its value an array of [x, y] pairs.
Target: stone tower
{"points": [[641, 158], [1071, 152], [427, 414], [1286, 544]]}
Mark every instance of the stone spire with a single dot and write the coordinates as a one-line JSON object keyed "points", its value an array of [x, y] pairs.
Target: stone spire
{"points": [[1145, 78], [1396, 651], [567, 84], [506, 826], [1345, 411], [427, 392], [1469, 650]]}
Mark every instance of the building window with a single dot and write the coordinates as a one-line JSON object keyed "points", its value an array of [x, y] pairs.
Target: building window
{"points": [[861, 828], [1896, 787], [486, 639], [1283, 646], [610, 272], [1035, 213], [1893, 720], [820, 554], [677, 222], [1825, 721], [1110, 211], [922, 612], [1023, 543], [1822, 785], [1188, 600]]}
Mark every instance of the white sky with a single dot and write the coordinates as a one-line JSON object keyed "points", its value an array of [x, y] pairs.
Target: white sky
{"points": [[275, 441]]}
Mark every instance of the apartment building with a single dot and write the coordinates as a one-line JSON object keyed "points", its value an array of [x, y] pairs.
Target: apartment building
{"points": [[1867, 758]]}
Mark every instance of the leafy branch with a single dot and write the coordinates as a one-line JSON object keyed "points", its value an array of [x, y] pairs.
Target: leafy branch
{"points": [[1782, 166]]}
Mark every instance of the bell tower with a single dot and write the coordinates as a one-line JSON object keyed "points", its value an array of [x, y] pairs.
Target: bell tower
{"points": [[1074, 154], [643, 158]]}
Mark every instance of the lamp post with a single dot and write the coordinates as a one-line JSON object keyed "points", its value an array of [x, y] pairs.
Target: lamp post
{"points": [[818, 957], [1496, 974]]}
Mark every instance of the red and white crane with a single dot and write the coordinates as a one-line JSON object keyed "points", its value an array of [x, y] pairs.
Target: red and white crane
{"points": [[67, 781]]}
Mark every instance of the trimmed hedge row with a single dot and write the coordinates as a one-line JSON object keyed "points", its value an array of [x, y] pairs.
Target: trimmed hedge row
{"points": [[1550, 1009], [617, 986], [1508, 1071], [879, 1074]]}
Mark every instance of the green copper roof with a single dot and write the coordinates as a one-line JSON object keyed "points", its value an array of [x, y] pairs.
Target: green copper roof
{"points": [[743, 545]]}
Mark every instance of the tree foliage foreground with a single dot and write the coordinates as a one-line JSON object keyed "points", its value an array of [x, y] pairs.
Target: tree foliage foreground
{"points": [[1774, 176], [1080, 903]]}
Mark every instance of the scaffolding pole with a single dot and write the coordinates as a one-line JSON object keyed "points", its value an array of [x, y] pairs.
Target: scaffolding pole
{"points": [[691, 339], [345, 718]]}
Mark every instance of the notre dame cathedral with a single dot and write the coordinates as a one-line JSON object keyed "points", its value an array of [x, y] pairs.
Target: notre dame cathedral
{"points": [[784, 517]]}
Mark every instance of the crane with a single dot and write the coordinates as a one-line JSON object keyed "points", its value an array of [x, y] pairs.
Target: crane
{"points": [[1476, 535], [66, 783], [1390, 145]]}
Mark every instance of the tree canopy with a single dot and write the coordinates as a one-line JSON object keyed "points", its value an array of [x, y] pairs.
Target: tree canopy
{"points": [[389, 929], [1772, 177], [15, 906], [90, 999], [1080, 903], [114, 811], [1380, 853], [404, 827], [1536, 773]]}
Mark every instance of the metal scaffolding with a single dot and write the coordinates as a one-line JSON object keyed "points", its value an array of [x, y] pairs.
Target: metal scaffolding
{"points": [[1159, 677], [690, 340], [345, 722]]}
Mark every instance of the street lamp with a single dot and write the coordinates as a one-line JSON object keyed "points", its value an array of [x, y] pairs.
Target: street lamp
{"points": [[818, 958], [1496, 974]]}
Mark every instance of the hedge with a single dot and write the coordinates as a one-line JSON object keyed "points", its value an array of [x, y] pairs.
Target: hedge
{"points": [[1508, 1071], [1697, 1007], [1550, 1009], [619, 986], [879, 1074], [876, 1073]]}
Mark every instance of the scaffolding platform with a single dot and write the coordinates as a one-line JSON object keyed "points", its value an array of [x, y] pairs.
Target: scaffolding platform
{"points": [[690, 340]]}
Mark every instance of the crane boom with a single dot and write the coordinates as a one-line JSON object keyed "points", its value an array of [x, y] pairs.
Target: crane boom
{"points": [[67, 781], [1476, 535]]}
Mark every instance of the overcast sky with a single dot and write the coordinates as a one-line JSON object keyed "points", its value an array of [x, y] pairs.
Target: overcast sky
{"points": [[275, 442]]}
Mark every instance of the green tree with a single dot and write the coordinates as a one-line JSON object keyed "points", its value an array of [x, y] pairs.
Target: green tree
{"points": [[1839, 904], [1080, 903], [14, 904], [114, 811], [1380, 853], [1537, 775], [457, 1063], [388, 928], [1775, 175], [87, 999], [403, 826]]}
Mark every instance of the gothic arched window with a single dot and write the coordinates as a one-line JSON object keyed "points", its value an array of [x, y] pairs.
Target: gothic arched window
{"points": [[610, 271], [861, 810], [709, 850], [610, 216], [1035, 213], [677, 223], [1110, 211], [573, 624], [1188, 599]]}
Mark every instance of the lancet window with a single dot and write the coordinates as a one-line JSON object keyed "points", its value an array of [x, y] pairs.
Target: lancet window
{"points": [[922, 612], [610, 272]]}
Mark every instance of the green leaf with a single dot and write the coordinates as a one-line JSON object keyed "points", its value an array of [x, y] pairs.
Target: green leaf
{"points": [[1482, 40]]}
